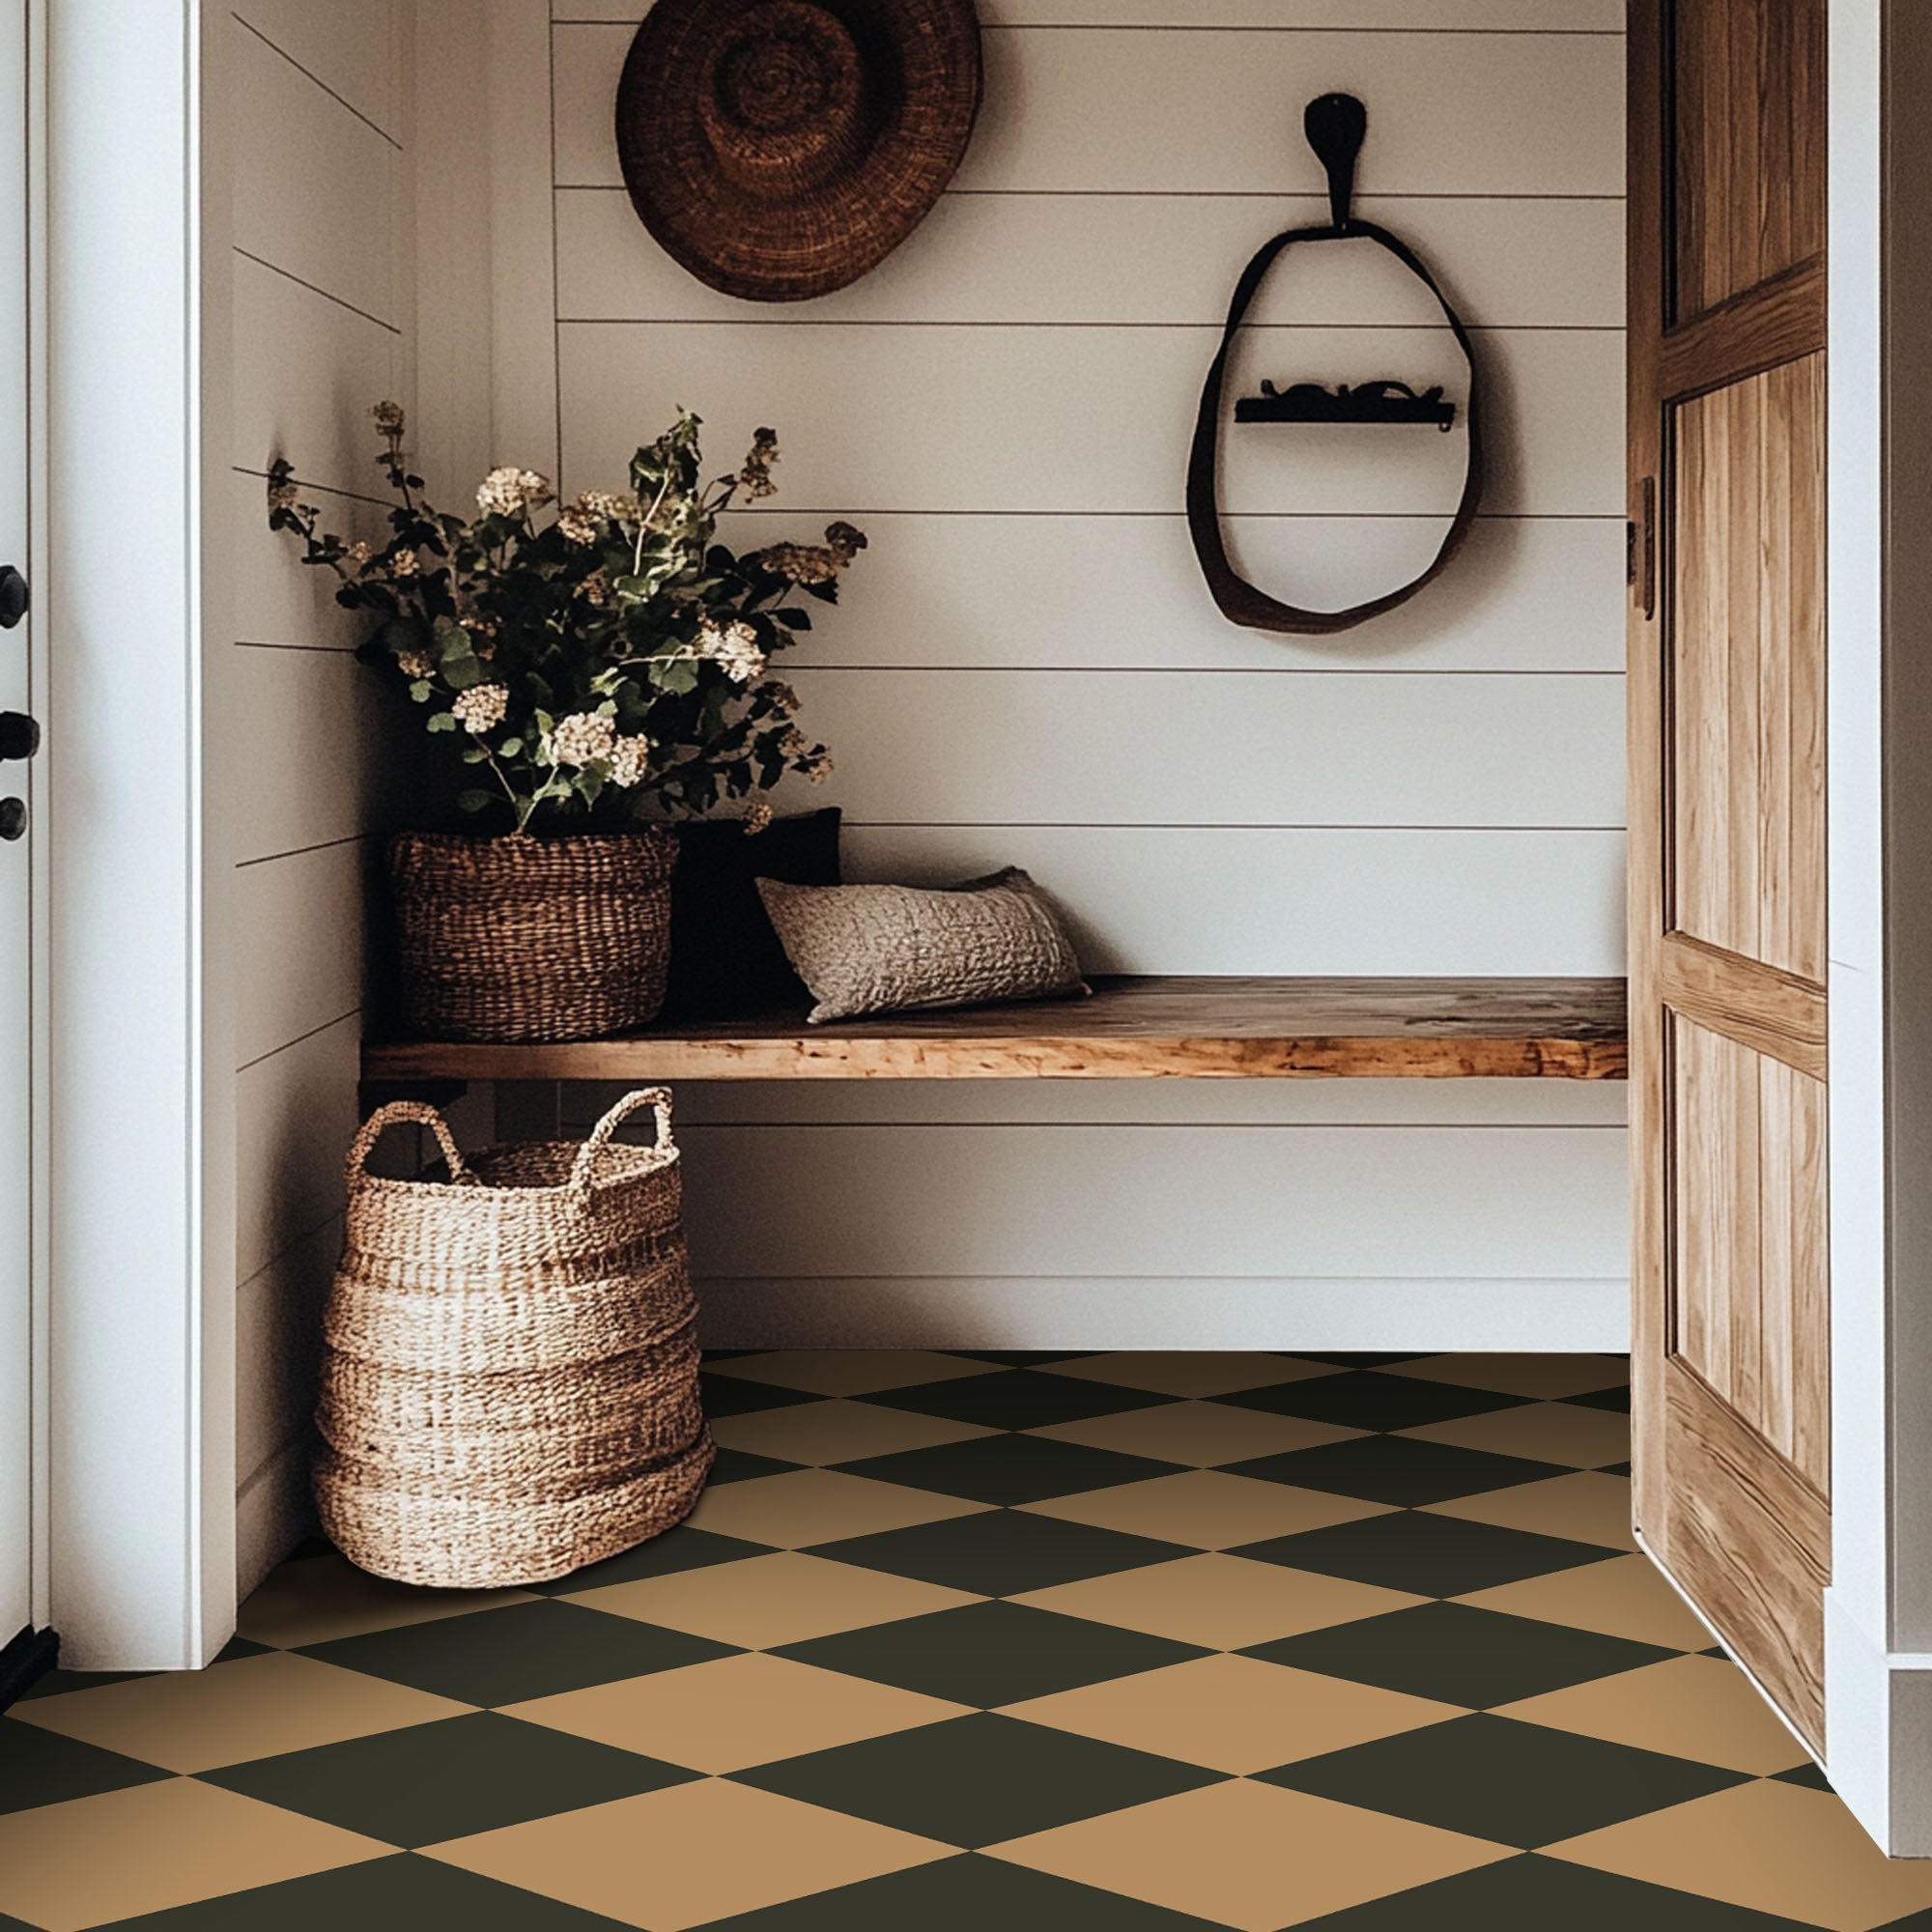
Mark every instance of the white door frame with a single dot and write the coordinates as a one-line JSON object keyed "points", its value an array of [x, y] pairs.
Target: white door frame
{"points": [[139, 1126], [1877, 1610]]}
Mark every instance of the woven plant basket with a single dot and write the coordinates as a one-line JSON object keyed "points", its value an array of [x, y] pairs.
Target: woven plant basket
{"points": [[533, 939], [509, 1383]]}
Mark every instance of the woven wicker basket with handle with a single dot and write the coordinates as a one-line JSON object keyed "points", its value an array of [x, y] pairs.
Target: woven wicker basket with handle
{"points": [[509, 1385]]}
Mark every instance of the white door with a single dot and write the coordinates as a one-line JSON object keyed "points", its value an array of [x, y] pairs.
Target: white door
{"points": [[16, 735]]}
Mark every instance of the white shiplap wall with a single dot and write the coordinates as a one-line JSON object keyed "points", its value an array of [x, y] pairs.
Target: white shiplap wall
{"points": [[319, 108], [1029, 669]]}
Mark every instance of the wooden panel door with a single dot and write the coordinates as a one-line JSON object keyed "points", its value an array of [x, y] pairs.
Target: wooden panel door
{"points": [[1727, 822]]}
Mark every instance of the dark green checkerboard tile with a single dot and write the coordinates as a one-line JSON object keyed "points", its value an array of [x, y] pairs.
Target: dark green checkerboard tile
{"points": [[740, 1395], [1428, 1555], [1515, 1784], [1538, 1894], [40, 1767], [400, 1894], [1806, 1775], [964, 1895], [1009, 1468], [1357, 1361], [521, 1651], [1018, 1359], [58, 1682], [1363, 1398], [740, 1465], [681, 1549], [1017, 1399], [1001, 1552], [1616, 1399], [990, 1653], [1398, 1470], [1460, 1654], [978, 1780], [431, 1782]]}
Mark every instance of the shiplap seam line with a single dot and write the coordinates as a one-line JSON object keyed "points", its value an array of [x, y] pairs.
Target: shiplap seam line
{"points": [[298, 1040], [1217, 27], [1179, 670], [1364, 203], [1164, 1125], [1210, 825], [289, 1247], [314, 288], [797, 510], [327, 489], [1204, 329], [348, 650], [303, 852], [349, 106], [249, 1281]]}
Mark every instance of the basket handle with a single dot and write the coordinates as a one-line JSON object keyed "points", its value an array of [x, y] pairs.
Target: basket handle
{"points": [[388, 1116], [657, 1098]]}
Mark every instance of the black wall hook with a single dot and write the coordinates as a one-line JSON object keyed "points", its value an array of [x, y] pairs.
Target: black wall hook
{"points": [[1335, 125]]}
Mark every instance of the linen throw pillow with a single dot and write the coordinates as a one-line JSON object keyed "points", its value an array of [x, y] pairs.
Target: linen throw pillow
{"points": [[886, 949], [726, 961]]}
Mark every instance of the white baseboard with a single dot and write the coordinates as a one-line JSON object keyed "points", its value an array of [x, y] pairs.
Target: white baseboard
{"points": [[1878, 1715], [1057, 1311], [274, 1511]]}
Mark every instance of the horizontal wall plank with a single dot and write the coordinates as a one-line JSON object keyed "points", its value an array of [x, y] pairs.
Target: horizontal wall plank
{"points": [[325, 753], [276, 599], [294, 1116], [1229, 118], [1582, 1104], [1603, 17], [1088, 593], [1214, 900], [1141, 259], [277, 1344], [275, 1509], [350, 47], [314, 185], [1055, 419], [1035, 1312], [1500, 1203], [1140, 748], [299, 920], [306, 371]]}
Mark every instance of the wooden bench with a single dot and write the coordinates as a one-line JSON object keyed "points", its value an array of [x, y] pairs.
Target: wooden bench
{"points": [[1131, 1029]]}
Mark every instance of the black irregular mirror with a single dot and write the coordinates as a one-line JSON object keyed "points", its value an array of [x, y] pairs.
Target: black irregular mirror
{"points": [[1335, 124]]}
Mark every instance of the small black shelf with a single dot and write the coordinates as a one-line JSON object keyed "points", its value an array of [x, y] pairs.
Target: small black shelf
{"points": [[1366, 402]]}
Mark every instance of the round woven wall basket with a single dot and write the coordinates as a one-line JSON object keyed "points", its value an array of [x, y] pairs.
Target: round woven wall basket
{"points": [[533, 939], [509, 1383]]}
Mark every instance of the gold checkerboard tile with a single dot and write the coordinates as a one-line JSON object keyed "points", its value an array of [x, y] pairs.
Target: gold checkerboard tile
{"points": [[1082, 1643]]}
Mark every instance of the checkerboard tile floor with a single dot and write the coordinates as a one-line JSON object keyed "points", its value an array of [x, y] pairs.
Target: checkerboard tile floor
{"points": [[1116, 1643]]}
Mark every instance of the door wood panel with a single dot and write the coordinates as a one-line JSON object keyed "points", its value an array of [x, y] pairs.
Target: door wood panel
{"points": [[1726, 693]]}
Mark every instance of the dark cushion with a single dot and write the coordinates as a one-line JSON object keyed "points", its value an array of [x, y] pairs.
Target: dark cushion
{"points": [[726, 961]]}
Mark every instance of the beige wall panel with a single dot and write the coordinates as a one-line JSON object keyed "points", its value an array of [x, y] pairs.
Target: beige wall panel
{"points": [[1052, 419], [1504, 263]]}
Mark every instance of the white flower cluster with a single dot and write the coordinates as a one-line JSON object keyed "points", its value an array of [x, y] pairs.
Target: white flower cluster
{"points": [[481, 708], [581, 739], [733, 647], [504, 493], [577, 523], [630, 761]]}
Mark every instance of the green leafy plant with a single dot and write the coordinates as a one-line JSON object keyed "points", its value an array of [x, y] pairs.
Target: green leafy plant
{"points": [[592, 660]]}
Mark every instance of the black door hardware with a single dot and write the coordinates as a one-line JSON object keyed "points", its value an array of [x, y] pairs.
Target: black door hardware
{"points": [[19, 735], [14, 597]]}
